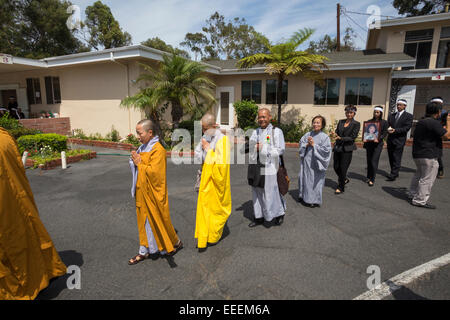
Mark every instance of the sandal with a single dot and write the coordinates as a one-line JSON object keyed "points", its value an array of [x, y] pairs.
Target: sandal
{"points": [[138, 258], [370, 183], [176, 248], [337, 191]]}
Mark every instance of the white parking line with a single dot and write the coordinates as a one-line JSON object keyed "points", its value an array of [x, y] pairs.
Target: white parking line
{"points": [[388, 287]]}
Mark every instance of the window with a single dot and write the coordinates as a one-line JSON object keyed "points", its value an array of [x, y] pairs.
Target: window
{"points": [[34, 91], [443, 58], [52, 89], [251, 90], [358, 91], [418, 45], [271, 91], [327, 92]]}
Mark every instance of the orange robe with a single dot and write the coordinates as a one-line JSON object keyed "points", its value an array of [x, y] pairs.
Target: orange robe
{"points": [[152, 201], [28, 258]]}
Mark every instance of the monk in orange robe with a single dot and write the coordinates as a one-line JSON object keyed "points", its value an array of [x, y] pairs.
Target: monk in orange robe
{"points": [[148, 166], [28, 258]]}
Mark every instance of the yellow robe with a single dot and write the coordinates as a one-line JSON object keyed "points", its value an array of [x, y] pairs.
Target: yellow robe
{"points": [[28, 258], [152, 200], [214, 196]]}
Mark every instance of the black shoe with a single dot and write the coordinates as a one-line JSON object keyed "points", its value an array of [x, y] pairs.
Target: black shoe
{"points": [[426, 205], [279, 220], [347, 180], [256, 222], [391, 178], [440, 174]]}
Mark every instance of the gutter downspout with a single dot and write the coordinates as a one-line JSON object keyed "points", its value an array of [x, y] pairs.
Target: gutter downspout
{"points": [[127, 77]]}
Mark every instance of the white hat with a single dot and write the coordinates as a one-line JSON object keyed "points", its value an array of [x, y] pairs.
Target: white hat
{"points": [[378, 109], [402, 101], [438, 100]]}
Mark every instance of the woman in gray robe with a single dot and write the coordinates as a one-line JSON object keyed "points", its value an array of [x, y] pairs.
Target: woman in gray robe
{"points": [[315, 155]]}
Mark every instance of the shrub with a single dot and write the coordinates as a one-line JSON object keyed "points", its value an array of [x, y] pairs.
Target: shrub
{"points": [[79, 134], [293, 132], [8, 123], [55, 141], [19, 132], [246, 112], [113, 135], [131, 138]]}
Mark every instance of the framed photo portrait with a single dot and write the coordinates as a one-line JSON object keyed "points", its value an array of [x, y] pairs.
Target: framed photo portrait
{"points": [[371, 131]]}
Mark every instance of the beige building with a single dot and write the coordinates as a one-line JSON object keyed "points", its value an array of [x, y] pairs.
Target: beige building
{"points": [[427, 39], [401, 58]]}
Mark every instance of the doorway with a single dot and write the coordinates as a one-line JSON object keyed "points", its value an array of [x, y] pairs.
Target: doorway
{"points": [[225, 109]]}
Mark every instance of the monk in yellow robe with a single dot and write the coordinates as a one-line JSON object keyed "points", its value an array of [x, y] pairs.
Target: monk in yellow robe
{"points": [[148, 166], [28, 258], [214, 196]]}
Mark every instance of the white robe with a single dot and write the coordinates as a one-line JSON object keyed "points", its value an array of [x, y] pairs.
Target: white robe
{"points": [[314, 162], [268, 203]]}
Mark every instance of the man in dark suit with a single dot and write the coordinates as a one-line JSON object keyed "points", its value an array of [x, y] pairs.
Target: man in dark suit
{"points": [[400, 123]]}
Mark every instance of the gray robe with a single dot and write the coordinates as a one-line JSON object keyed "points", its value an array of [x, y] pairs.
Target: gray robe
{"points": [[268, 203], [314, 162]]}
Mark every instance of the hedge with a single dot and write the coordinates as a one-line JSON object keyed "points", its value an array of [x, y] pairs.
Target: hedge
{"points": [[55, 141]]}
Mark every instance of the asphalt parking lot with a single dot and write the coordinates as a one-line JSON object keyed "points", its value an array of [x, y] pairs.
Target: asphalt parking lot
{"points": [[319, 253]]}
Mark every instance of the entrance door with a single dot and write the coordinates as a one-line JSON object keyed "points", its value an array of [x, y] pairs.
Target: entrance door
{"points": [[225, 109]]}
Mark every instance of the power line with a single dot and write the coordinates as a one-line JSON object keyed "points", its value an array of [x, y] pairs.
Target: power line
{"points": [[359, 36], [347, 16], [368, 14]]}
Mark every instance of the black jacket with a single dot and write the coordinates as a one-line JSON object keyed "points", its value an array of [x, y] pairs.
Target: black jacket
{"points": [[402, 127], [383, 134], [348, 136]]}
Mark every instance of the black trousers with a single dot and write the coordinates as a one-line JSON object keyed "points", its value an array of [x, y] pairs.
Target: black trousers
{"points": [[395, 153], [373, 153], [341, 163], [441, 164]]}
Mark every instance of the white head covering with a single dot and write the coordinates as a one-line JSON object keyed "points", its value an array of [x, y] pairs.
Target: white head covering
{"points": [[402, 101], [438, 100], [378, 109]]}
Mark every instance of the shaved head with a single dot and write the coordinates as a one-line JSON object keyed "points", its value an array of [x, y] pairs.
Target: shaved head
{"points": [[208, 120], [146, 124], [264, 110]]}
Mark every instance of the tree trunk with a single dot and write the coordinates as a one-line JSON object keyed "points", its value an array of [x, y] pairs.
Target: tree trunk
{"points": [[279, 96], [177, 114]]}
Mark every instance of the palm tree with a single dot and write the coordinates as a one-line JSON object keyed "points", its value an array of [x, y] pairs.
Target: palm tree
{"points": [[180, 82], [284, 59], [143, 101]]}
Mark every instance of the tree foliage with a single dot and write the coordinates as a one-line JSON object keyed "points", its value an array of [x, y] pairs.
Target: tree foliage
{"points": [[159, 44], [284, 59], [234, 39], [36, 29], [176, 81], [328, 44], [419, 7], [104, 30]]}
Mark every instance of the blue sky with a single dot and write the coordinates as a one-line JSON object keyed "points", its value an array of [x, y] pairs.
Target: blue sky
{"points": [[170, 20]]}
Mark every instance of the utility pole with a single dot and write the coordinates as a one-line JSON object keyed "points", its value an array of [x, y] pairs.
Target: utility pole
{"points": [[338, 36]]}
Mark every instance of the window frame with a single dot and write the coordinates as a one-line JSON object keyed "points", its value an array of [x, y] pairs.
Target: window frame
{"points": [[358, 95], [326, 92], [284, 101], [52, 91], [33, 89], [257, 101], [418, 42]]}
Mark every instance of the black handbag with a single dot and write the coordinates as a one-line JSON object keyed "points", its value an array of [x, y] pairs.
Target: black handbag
{"points": [[282, 178], [254, 176]]}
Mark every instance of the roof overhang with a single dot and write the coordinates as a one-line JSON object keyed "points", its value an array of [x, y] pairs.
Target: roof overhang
{"points": [[10, 63], [415, 20], [421, 73]]}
